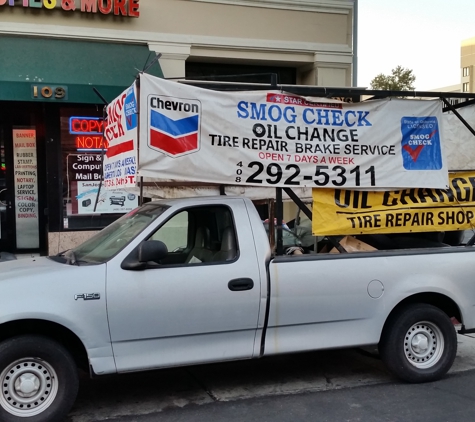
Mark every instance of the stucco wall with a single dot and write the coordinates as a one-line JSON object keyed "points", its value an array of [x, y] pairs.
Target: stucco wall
{"points": [[314, 36], [203, 19]]}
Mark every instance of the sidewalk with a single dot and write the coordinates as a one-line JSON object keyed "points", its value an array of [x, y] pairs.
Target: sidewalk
{"points": [[465, 359]]}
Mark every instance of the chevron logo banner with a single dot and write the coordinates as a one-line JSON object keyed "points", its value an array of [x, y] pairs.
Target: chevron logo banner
{"points": [[280, 139]]}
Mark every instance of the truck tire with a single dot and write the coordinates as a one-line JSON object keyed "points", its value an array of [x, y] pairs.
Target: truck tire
{"points": [[39, 380], [419, 343]]}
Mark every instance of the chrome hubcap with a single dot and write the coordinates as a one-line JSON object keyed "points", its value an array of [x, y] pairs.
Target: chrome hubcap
{"points": [[29, 386], [423, 344], [420, 344]]}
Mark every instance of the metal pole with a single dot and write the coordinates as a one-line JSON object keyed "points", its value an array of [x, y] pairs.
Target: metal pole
{"points": [[279, 211], [464, 122], [104, 120], [137, 82], [141, 191]]}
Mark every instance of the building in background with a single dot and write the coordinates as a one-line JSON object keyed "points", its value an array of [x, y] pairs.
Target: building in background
{"points": [[467, 64], [53, 53]]}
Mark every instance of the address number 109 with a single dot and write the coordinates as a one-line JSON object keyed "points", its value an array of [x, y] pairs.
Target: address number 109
{"points": [[49, 92]]}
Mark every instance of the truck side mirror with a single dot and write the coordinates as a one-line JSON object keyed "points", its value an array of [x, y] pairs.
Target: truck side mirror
{"points": [[150, 250]]}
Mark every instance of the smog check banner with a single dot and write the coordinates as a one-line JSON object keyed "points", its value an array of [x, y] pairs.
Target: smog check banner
{"points": [[120, 131], [342, 212], [265, 138]]}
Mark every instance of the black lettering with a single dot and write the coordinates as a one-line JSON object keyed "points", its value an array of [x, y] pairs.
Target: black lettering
{"points": [[408, 193], [387, 197], [422, 194], [389, 220]]}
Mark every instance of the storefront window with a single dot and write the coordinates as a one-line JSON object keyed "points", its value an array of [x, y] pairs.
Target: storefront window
{"points": [[86, 204]]}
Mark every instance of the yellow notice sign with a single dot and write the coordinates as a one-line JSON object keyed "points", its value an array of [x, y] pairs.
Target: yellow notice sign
{"points": [[341, 212]]}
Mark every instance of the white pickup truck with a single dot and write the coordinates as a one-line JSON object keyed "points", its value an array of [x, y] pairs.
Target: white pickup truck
{"points": [[189, 281]]}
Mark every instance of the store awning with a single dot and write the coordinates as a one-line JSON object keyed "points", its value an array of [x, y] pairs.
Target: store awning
{"points": [[77, 66]]}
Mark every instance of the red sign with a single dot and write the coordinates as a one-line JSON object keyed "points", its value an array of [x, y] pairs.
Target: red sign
{"points": [[89, 131], [93, 143], [86, 125]]}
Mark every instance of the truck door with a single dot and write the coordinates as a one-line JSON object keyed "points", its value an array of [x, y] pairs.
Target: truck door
{"points": [[199, 304]]}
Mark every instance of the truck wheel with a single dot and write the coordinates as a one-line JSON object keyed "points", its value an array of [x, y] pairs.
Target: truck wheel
{"points": [[39, 380], [419, 343]]}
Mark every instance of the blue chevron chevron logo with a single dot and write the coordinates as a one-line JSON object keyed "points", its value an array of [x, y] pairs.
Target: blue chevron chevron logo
{"points": [[173, 128]]}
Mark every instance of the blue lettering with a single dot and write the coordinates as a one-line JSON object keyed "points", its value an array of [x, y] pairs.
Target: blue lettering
{"points": [[130, 170], [305, 118], [293, 117], [258, 112], [347, 119], [279, 113], [323, 115], [362, 118], [129, 160], [337, 117], [242, 110]]}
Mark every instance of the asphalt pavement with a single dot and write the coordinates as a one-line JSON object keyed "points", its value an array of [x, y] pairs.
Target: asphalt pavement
{"points": [[332, 385], [449, 400]]}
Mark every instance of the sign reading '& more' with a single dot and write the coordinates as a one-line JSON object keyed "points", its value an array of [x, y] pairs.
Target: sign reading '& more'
{"points": [[106, 7]]}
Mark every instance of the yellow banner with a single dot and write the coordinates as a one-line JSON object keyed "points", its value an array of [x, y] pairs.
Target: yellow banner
{"points": [[342, 212]]}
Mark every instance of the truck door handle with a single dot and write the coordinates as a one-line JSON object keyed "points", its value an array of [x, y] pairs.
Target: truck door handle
{"points": [[239, 284]]}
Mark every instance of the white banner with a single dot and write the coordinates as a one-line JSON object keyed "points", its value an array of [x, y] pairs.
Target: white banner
{"points": [[120, 132], [277, 139], [109, 201], [458, 140], [26, 188]]}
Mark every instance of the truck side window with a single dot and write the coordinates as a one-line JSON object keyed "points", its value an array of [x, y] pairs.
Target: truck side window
{"points": [[174, 233], [199, 235]]}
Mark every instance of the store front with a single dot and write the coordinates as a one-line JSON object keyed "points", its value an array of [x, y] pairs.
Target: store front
{"points": [[51, 138], [54, 57]]}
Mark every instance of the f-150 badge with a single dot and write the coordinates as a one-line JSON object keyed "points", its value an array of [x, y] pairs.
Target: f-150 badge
{"points": [[87, 296]]}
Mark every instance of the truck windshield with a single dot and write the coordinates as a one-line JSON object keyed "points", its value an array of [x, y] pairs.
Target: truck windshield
{"points": [[112, 239]]}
